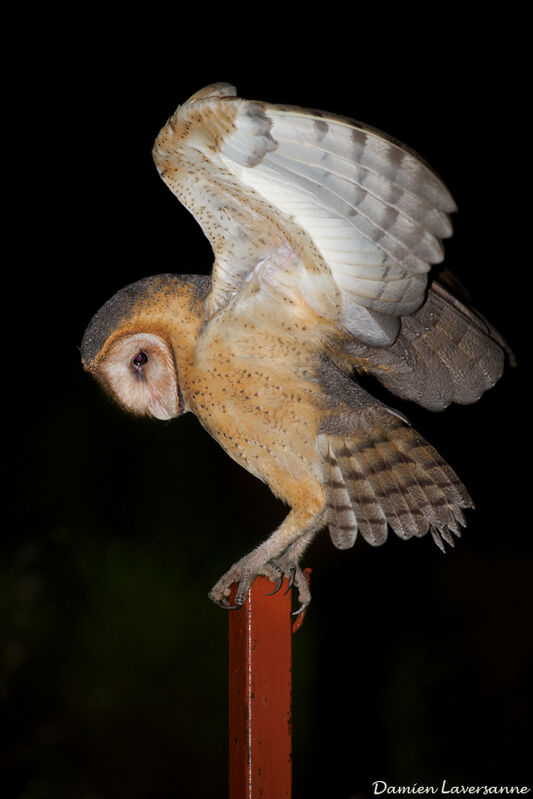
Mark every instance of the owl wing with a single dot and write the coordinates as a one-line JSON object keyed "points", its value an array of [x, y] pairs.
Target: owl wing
{"points": [[319, 205]]}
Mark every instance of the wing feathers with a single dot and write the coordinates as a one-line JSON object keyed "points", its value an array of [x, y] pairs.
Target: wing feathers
{"points": [[324, 164], [343, 523], [445, 353], [347, 200], [392, 476], [398, 234]]}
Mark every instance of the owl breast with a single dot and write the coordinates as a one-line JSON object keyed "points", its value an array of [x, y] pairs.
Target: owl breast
{"points": [[247, 391]]}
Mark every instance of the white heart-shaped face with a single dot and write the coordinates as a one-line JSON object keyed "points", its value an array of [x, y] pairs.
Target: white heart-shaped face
{"points": [[140, 372]]}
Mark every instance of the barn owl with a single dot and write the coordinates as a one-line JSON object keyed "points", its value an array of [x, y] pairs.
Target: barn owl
{"points": [[324, 231]]}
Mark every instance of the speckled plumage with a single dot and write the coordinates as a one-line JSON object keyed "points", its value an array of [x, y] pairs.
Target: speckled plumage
{"points": [[323, 232]]}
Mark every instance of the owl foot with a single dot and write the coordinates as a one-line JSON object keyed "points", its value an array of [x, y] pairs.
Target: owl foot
{"points": [[244, 572]]}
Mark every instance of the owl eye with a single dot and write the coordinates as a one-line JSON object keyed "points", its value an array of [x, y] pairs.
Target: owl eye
{"points": [[139, 360]]}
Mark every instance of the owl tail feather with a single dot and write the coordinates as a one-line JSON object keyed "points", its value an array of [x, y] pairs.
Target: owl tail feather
{"points": [[379, 472]]}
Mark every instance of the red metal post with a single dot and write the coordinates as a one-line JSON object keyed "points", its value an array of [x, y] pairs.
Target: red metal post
{"points": [[260, 661]]}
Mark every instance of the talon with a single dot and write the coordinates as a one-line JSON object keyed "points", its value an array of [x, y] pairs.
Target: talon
{"points": [[278, 584], [301, 609], [279, 581], [292, 572], [276, 589], [223, 603]]}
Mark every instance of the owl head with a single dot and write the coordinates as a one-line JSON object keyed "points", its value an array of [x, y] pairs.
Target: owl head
{"points": [[131, 346]]}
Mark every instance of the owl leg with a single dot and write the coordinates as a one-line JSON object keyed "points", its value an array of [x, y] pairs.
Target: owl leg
{"points": [[276, 558]]}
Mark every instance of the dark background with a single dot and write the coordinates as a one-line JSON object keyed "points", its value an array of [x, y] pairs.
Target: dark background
{"points": [[411, 666]]}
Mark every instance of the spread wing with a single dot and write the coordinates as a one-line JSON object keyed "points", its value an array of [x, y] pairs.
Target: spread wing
{"points": [[336, 212]]}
